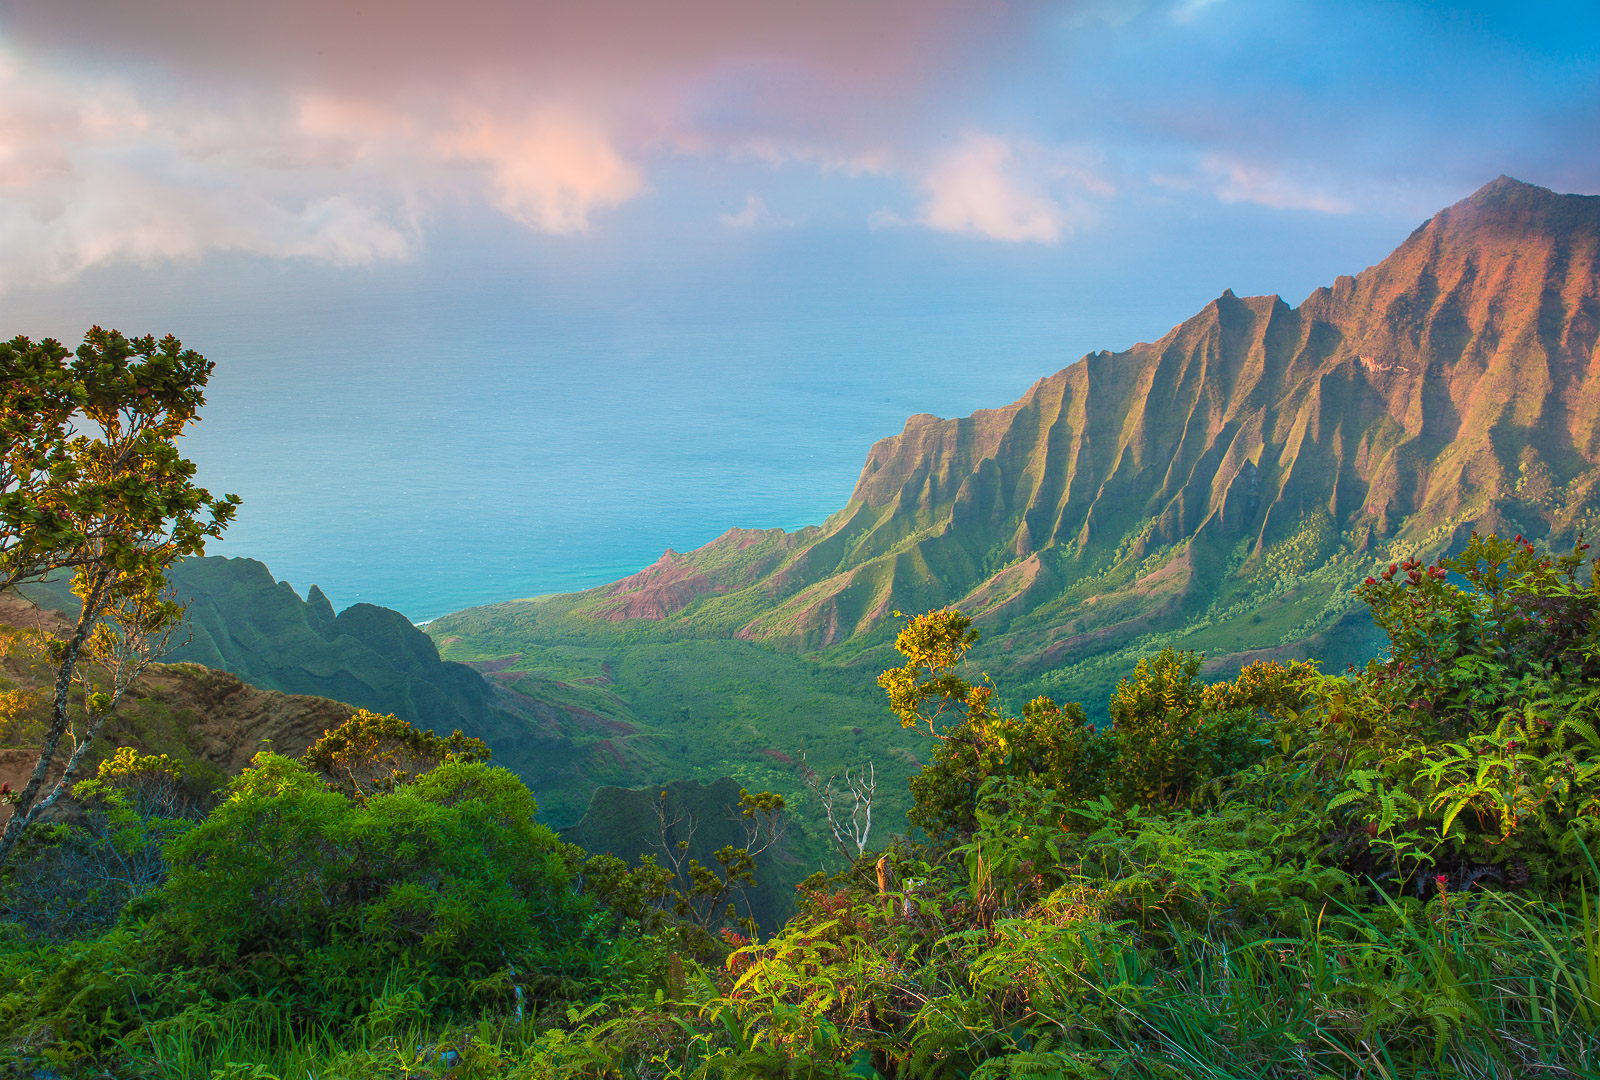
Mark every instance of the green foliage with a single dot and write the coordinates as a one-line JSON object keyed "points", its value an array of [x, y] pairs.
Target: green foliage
{"points": [[1471, 752], [1312, 541], [1171, 734], [292, 901], [702, 891], [1280, 875], [73, 879], [448, 871], [372, 752]]}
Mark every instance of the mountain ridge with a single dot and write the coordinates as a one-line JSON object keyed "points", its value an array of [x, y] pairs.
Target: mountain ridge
{"points": [[1251, 463]]}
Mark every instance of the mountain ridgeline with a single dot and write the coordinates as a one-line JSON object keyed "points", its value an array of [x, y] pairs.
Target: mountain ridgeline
{"points": [[241, 620], [1220, 489]]}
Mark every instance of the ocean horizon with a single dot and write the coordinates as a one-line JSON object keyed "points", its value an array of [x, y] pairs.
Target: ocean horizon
{"points": [[476, 428]]}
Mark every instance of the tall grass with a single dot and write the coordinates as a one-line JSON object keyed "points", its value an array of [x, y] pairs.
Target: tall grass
{"points": [[1480, 985]]}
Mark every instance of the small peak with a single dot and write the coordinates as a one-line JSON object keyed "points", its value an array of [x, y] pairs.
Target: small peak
{"points": [[1504, 185], [1506, 193], [319, 610], [1509, 207], [1227, 294]]}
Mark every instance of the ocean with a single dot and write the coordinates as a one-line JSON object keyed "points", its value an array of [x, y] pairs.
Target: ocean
{"points": [[516, 416]]}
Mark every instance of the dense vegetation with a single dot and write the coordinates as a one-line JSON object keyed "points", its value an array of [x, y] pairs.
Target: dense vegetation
{"points": [[1380, 872]]}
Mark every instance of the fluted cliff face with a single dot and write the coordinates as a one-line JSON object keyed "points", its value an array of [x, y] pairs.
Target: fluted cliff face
{"points": [[1256, 450]]}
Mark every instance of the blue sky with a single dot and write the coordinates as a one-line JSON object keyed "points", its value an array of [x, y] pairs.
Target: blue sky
{"points": [[531, 291]]}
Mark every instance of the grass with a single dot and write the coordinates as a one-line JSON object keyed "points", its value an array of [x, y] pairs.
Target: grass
{"points": [[1500, 988]]}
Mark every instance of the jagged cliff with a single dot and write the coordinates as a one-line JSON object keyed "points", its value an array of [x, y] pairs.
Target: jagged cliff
{"points": [[241, 619], [1227, 481]]}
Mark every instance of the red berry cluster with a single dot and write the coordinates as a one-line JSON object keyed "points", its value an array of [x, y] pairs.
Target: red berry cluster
{"points": [[1415, 571]]}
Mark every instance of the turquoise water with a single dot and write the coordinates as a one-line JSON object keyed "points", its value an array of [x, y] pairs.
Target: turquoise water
{"points": [[551, 456], [522, 416]]}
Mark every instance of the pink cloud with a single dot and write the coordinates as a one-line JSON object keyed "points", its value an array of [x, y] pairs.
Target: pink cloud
{"points": [[1017, 192], [549, 170], [328, 128], [91, 174]]}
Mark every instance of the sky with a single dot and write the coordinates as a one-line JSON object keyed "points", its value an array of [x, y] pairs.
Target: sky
{"points": [[364, 211]]}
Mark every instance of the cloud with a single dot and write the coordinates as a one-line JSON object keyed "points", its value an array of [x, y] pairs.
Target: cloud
{"points": [[337, 129], [1233, 181], [754, 215], [99, 171], [90, 174], [330, 129], [1016, 192], [1187, 10], [550, 170]]}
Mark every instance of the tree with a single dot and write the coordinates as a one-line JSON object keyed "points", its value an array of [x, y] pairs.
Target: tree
{"points": [[372, 752], [699, 893], [847, 808], [91, 481], [69, 881], [1051, 745]]}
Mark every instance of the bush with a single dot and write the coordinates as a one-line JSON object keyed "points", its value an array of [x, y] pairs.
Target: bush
{"points": [[373, 752], [1171, 734], [1471, 753], [294, 900]]}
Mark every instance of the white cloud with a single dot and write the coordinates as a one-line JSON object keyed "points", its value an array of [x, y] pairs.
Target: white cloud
{"points": [[90, 174], [754, 215], [1016, 192], [1233, 181], [1187, 10]]}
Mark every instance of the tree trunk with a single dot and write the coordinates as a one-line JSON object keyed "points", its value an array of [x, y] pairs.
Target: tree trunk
{"points": [[26, 808]]}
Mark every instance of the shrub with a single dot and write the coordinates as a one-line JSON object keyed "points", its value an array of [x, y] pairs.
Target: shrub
{"points": [[1471, 753], [1171, 733], [372, 752], [296, 900]]}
